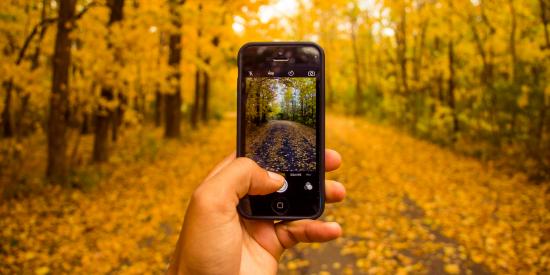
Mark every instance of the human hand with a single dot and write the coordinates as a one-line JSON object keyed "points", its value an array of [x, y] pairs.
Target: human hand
{"points": [[214, 239]]}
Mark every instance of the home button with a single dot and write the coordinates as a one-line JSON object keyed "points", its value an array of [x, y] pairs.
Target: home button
{"points": [[280, 205]]}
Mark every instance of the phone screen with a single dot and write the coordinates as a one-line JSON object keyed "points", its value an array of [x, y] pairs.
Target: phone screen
{"points": [[281, 128]]}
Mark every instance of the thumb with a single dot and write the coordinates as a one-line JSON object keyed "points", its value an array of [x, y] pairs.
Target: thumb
{"points": [[239, 178]]}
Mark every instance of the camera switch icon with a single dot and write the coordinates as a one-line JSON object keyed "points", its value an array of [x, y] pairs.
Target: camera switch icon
{"points": [[308, 186], [290, 73], [310, 73]]}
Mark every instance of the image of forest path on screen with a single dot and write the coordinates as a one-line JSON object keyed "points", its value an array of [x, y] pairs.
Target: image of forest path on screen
{"points": [[280, 123]]}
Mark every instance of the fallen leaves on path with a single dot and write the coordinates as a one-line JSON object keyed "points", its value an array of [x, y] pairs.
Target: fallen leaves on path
{"points": [[283, 145]]}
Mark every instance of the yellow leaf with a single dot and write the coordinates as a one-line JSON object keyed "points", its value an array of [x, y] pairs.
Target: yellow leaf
{"points": [[452, 268], [42, 270]]}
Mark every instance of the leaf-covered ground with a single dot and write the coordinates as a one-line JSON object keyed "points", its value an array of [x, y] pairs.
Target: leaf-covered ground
{"points": [[283, 145], [412, 207]]}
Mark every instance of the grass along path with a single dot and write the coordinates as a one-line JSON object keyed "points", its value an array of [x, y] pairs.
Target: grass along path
{"points": [[412, 207]]}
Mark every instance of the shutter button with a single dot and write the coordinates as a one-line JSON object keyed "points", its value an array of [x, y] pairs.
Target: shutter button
{"points": [[283, 188]]}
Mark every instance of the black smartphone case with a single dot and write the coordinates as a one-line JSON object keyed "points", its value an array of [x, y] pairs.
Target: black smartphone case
{"points": [[321, 112]]}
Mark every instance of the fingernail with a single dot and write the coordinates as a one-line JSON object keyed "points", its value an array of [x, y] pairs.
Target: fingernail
{"points": [[275, 176], [334, 226]]}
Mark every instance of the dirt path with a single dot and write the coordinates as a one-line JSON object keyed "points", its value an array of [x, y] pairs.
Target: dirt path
{"points": [[283, 145]]}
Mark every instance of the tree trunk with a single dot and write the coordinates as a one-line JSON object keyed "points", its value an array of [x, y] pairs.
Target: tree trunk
{"points": [[544, 19], [439, 75], [205, 95], [159, 96], [20, 128], [543, 111], [198, 75], [401, 37], [117, 14], [451, 81], [417, 67], [357, 71], [103, 116], [173, 114], [196, 100], [206, 85], [173, 100], [540, 130], [512, 43], [115, 122], [452, 99], [59, 97], [7, 120], [159, 108], [118, 114], [514, 77], [86, 127], [101, 141]]}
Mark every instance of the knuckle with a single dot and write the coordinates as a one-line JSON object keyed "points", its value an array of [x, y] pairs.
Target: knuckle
{"points": [[206, 197], [203, 197], [199, 195]]}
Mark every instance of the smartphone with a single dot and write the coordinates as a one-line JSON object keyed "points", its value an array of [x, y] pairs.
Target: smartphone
{"points": [[281, 126]]}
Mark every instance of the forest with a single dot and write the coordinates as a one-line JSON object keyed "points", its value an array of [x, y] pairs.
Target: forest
{"points": [[284, 98], [113, 111]]}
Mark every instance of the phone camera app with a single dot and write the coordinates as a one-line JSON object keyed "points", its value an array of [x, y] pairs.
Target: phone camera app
{"points": [[281, 123]]}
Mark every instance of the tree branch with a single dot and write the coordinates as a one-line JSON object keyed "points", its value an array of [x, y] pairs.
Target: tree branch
{"points": [[44, 24], [85, 9]]}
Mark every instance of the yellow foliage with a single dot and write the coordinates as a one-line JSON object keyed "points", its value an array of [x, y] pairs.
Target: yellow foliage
{"points": [[452, 269]]}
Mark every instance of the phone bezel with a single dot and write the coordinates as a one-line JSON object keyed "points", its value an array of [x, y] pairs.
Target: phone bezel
{"points": [[320, 124]]}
